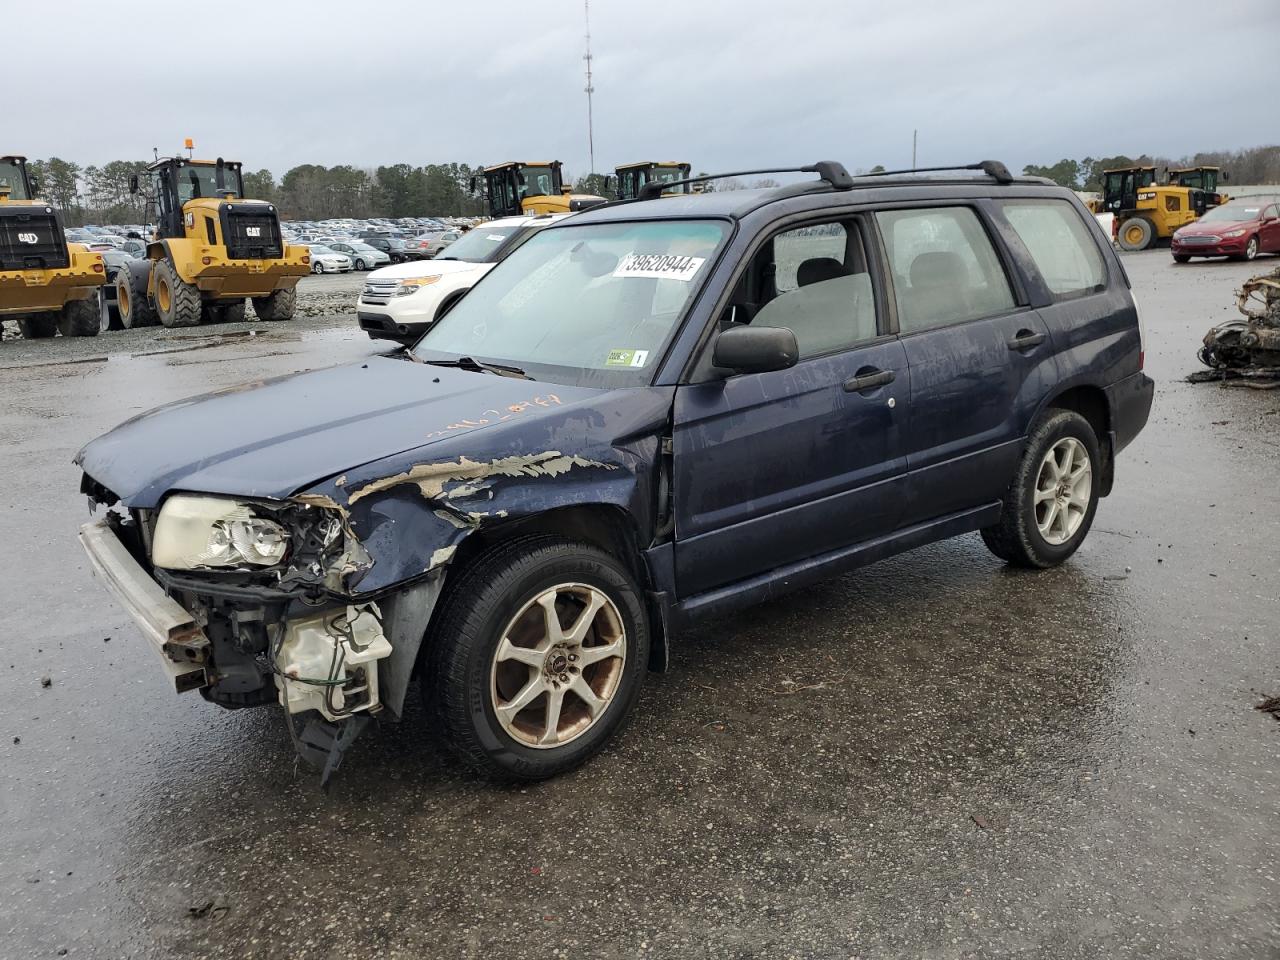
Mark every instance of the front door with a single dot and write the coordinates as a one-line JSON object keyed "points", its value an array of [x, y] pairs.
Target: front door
{"points": [[775, 468]]}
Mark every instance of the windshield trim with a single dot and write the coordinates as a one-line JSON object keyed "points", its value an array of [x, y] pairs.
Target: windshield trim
{"points": [[552, 373]]}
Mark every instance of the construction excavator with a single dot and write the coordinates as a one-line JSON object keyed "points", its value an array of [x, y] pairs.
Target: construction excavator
{"points": [[47, 285], [212, 250], [528, 188]]}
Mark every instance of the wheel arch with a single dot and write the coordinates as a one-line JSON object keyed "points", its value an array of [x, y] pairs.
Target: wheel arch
{"points": [[1090, 401]]}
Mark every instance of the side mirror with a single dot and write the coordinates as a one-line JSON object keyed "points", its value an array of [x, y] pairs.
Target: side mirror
{"points": [[35, 184], [755, 349], [611, 184], [133, 183], [471, 185], [1224, 176]]}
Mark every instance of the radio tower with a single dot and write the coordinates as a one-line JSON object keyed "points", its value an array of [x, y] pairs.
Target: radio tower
{"points": [[591, 135]]}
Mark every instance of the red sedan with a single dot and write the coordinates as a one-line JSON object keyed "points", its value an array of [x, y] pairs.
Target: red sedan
{"points": [[1241, 229]]}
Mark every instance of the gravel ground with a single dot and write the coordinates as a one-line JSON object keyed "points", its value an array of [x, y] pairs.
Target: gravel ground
{"points": [[935, 757]]}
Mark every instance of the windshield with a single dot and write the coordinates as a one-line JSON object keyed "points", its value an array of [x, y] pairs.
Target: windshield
{"points": [[1234, 211], [538, 182], [320, 249], [200, 182], [479, 245], [11, 177], [592, 305]]}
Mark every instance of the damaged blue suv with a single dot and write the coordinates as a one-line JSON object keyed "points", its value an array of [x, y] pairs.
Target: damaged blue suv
{"points": [[652, 412]]}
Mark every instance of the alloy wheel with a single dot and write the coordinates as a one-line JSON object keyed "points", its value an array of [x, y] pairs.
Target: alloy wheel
{"points": [[1064, 485]]}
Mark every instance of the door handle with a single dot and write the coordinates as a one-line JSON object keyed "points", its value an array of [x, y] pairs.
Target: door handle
{"points": [[869, 380], [1025, 340]]}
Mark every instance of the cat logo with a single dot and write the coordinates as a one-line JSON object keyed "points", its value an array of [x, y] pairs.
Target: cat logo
{"points": [[253, 231], [1146, 196], [28, 238]]}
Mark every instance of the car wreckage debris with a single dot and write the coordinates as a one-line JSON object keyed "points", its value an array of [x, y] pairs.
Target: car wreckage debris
{"points": [[1247, 349]]}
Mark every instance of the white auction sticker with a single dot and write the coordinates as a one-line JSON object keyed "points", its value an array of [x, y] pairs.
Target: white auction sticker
{"points": [[496, 236], [659, 266]]}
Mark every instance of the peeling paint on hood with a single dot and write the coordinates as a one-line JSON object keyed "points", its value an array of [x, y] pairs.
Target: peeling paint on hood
{"points": [[432, 477]]}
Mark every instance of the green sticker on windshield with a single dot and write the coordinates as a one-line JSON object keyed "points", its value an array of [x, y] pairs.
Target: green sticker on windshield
{"points": [[626, 358]]}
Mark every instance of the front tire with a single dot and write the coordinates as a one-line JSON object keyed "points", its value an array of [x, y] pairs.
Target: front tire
{"points": [[360, 265], [278, 306], [317, 268], [536, 657], [1181, 257], [1251, 249], [177, 302], [1136, 233], [1049, 506]]}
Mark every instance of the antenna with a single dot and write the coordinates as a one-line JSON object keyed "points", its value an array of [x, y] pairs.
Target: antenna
{"points": [[591, 136]]}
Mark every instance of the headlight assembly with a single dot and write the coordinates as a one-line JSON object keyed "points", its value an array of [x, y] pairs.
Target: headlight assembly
{"points": [[1235, 233], [414, 284], [199, 532]]}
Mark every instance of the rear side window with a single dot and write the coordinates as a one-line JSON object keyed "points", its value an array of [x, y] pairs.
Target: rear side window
{"points": [[1059, 242], [945, 270]]}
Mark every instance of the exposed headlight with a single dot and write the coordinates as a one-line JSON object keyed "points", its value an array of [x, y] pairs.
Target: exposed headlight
{"points": [[1235, 233], [414, 284], [194, 532]]}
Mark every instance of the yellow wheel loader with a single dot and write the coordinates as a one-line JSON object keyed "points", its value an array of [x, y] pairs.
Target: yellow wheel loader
{"points": [[528, 188], [1147, 210], [211, 251], [630, 177], [47, 285]]}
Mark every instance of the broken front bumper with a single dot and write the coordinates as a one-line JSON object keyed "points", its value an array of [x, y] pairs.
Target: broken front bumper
{"points": [[161, 619]]}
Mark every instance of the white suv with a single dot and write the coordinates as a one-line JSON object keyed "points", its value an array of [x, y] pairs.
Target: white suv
{"points": [[401, 301]]}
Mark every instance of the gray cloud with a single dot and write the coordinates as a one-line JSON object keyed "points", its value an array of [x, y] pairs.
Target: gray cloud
{"points": [[722, 84]]}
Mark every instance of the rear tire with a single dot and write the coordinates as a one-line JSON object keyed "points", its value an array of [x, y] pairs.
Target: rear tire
{"points": [[177, 301], [42, 326], [135, 308], [1020, 537], [83, 318], [278, 306], [471, 670], [1136, 233]]}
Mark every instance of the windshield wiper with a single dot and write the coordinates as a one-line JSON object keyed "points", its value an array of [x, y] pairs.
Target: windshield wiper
{"points": [[476, 366]]}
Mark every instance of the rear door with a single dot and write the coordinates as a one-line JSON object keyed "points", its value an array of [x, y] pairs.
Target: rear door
{"points": [[774, 468], [979, 360], [1269, 232]]}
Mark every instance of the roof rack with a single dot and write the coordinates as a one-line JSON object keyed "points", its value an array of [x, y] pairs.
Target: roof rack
{"points": [[831, 171], [994, 169]]}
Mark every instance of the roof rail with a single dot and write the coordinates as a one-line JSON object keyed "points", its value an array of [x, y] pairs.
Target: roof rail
{"points": [[994, 169], [832, 171]]}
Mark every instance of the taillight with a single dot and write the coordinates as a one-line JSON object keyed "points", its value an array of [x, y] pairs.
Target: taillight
{"points": [[98, 268]]}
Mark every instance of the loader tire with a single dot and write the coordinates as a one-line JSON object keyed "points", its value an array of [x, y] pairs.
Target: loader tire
{"points": [[40, 326], [132, 303], [1136, 233], [278, 306], [83, 318], [177, 302]]}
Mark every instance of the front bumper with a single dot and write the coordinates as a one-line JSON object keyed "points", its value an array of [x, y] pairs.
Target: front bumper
{"points": [[1219, 248], [161, 619], [380, 326]]}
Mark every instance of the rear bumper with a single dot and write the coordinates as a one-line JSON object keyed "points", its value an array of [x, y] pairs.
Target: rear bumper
{"points": [[1130, 401], [30, 291], [161, 619]]}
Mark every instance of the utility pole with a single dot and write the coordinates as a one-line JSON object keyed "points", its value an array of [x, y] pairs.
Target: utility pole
{"points": [[914, 133], [591, 136]]}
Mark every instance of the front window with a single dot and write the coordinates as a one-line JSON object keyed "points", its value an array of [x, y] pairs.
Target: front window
{"points": [[538, 182], [11, 176], [1233, 212], [200, 181], [592, 305], [478, 246]]}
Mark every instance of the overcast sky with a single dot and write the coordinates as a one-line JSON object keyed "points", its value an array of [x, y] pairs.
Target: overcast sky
{"points": [[725, 84]]}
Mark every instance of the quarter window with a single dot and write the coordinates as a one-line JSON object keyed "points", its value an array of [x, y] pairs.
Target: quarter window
{"points": [[945, 270], [1059, 242]]}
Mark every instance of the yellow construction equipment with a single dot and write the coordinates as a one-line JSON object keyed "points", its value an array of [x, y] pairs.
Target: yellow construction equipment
{"points": [[630, 177], [211, 250], [1147, 210], [46, 284], [528, 187]]}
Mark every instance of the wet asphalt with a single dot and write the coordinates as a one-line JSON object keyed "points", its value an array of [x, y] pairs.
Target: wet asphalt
{"points": [[935, 757]]}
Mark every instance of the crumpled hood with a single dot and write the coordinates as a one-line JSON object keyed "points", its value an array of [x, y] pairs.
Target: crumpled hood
{"points": [[273, 438]]}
